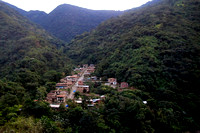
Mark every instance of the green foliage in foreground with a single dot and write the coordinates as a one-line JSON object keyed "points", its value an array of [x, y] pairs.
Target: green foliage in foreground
{"points": [[119, 112]]}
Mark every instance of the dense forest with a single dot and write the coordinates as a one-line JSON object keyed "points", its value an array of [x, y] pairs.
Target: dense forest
{"points": [[155, 48], [28, 55]]}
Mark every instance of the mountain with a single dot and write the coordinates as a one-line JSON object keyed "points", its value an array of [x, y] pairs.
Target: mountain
{"points": [[155, 48], [39, 17], [66, 21], [27, 53]]}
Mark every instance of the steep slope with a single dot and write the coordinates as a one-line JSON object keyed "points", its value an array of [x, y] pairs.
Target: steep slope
{"points": [[155, 48], [27, 53]]}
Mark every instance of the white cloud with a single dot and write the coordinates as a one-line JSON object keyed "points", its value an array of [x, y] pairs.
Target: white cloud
{"points": [[49, 5]]}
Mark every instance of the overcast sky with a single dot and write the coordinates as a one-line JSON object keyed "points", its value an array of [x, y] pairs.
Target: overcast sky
{"points": [[49, 5]]}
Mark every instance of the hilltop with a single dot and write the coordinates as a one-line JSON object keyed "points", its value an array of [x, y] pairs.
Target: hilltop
{"points": [[67, 21]]}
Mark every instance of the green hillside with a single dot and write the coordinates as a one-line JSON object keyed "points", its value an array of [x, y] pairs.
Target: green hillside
{"points": [[28, 53], [155, 48]]}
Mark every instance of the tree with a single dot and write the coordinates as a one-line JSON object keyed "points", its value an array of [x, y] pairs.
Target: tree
{"points": [[41, 93]]}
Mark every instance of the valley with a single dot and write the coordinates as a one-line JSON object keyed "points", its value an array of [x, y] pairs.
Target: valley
{"points": [[140, 69]]}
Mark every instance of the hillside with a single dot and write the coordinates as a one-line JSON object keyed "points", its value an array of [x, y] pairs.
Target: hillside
{"points": [[155, 48], [27, 53], [67, 21]]}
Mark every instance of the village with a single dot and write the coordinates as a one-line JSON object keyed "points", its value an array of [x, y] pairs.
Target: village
{"points": [[74, 84]]}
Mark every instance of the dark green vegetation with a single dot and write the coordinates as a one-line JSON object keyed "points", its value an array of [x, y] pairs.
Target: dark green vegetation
{"points": [[67, 21], [155, 48], [29, 55]]}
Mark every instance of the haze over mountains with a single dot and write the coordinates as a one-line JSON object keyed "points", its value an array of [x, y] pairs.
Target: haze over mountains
{"points": [[66, 21], [155, 48]]}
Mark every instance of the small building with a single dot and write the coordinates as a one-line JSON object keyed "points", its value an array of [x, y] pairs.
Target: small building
{"points": [[94, 78], [63, 80], [69, 83], [96, 101], [103, 97], [87, 74], [124, 85], [77, 69], [51, 97], [72, 78], [91, 65], [90, 69], [56, 96], [83, 88], [112, 81], [61, 98], [80, 82], [56, 106], [85, 65], [62, 85]]}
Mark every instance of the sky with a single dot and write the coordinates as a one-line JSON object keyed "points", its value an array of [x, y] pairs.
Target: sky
{"points": [[49, 5]]}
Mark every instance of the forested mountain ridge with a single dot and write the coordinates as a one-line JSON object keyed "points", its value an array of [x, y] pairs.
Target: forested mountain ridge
{"points": [[27, 52], [156, 48], [66, 21]]}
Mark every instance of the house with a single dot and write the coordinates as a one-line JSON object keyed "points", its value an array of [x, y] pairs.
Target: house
{"points": [[94, 78], [124, 85], [87, 74], [80, 82], [108, 84], [56, 106], [85, 65], [61, 98], [90, 103], [112, 81], [76, 69], [73, 78], [83, 88], [56, 96], [96, 101], [62, 85], [79, 101], [51, 97], [63, 80], [90, 69], [69, 83], [91, 65]]}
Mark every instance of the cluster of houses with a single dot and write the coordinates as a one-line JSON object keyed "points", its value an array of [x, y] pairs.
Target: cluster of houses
{"points": [[113, 83], [64, 87], [80, 76], [91, 102]]}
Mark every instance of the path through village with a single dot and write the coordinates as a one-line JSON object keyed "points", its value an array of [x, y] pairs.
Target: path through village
{"points": [[74, 87]]}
